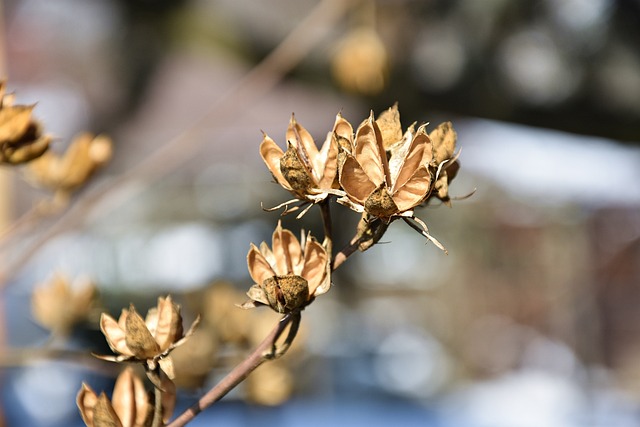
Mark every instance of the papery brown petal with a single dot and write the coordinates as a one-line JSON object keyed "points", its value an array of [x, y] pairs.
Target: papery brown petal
{"points": [[259, 267], [139, 339], [271, 155], [390, 128], [114, 334], [413, 158], [166, 366], [380, 203], [444, 142], [104, 414], [343, 131], [328, 162], [169, 328], [287, 251], [14, 122], [354, 179], [257, 294], [305, 146], [168, 394], [370, 153], [130, 400], [414, 191], [315, 265], [86, 401]]}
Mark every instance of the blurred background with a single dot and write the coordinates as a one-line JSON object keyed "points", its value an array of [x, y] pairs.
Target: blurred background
{"points": [[533, 319]]}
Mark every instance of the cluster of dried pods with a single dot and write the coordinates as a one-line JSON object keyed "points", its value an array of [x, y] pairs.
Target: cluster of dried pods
{"points": [[379, 171]]}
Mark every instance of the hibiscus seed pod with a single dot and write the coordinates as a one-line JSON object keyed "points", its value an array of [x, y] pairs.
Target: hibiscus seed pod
{"points": [[380, 204], [286, 293]]}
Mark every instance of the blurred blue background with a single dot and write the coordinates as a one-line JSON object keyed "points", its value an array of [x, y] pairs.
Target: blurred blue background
{"points": [[531, 320]]}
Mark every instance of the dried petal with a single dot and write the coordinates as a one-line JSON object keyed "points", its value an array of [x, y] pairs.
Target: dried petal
{"points": [[130, 400], [287, 251], [259, 267], [169, 323], [444, 142], [104, 415], [370, 153], [115, 335], [271, 155], [354, 180], [315, 265], [87, 401], [390, 128]]}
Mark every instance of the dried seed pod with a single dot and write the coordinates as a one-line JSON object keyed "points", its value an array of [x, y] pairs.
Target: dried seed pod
{"points": [[290, 275], [58, 304], [147, 341], [286, 293], [21, 136], [69, 171]]}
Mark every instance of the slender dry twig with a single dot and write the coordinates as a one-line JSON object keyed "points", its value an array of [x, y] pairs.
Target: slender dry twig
{"points": [[263, 352], [256, 83], [157, 409], [325, 209]]}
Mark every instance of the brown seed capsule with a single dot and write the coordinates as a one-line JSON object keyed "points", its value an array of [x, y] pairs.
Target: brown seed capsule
{"points": [[286, 293]]}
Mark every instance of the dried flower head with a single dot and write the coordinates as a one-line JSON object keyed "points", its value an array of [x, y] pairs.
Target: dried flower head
{"points": [[58, 305], [360, 63], [389, 186], [21, 137], [149, 340], [130, 405], [69, 171], [310, 174], [290, 275]]}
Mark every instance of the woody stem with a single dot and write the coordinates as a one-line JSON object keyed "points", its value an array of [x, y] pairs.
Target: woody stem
{"points": [[325, 209], [260, 354], [157, 409]]}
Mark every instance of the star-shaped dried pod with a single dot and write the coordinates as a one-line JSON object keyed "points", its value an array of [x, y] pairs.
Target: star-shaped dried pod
{"points": [[309, 173], [58, 304], [148, 340], [21, 136], [386, 188], [69, 171], [289, 276], [387, 176], [130, 405]]}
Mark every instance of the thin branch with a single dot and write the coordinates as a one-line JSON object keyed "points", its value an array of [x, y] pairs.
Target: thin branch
{"points": [[157, 409], [262, 353], [325, 209]]}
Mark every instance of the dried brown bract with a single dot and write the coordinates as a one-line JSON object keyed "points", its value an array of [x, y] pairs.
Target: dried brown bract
{"points": [[310, 174], [58, 305], [21, 136], [148, 340], [67, 172], [130, 405], [290, 275]]}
